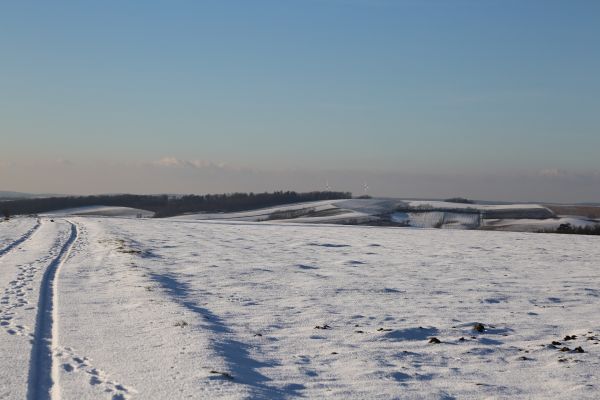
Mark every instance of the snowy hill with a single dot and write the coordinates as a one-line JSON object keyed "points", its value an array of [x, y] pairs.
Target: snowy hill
{"points": [[387, 212], [409, 213]]}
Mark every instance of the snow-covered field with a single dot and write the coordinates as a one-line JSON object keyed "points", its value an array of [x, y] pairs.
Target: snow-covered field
{"points": [[117, 308]]}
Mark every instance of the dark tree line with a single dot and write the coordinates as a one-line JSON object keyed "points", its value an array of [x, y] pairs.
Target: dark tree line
{"points": [[40, 205], [578, 230], [241, 201], [166, 206], [460, 200]]}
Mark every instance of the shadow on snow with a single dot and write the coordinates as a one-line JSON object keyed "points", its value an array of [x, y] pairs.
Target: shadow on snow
{"points": [[243, 367]]}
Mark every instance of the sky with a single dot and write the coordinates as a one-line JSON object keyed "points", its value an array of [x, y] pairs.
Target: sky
{"points": [[487, 99]]}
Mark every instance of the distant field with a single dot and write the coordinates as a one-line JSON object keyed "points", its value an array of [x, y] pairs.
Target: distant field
{"points": [[584, 211]]}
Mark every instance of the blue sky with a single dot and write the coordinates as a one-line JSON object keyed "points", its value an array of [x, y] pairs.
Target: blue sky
{"points": [[321, 88]]}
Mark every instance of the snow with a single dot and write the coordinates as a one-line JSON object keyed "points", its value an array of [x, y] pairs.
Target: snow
{"points": [[167, 308], [14, 231], [21, 272], [415, 213], [262, 214], [437, 219], [351, 208], [343, 217], [537, 225], [450, 205]]}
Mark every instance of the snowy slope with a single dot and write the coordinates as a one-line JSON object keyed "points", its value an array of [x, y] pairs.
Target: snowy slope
{"points": [[317, 211], [156, 309], [537, 225], [460, 206], [263, 214], [437, 219], [15, 231], [514, 211], [415, 213]]}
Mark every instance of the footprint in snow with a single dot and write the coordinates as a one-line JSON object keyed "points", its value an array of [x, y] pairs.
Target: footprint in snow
{"points": [[418, 333], [355, 262], [328, 244], [95, 381], [222, 374], [302, 266]]}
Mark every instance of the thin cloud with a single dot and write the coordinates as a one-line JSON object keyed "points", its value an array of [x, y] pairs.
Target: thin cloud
{"points": [[171, 162], [552, 173], [556, 173]]}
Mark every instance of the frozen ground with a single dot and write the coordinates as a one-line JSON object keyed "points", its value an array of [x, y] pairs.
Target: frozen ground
{"points": [[115, 308]]}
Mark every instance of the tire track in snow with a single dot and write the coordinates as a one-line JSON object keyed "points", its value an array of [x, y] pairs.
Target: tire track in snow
{"points": [[43, 371], [70, 361], [16, 295], [20, 240]]}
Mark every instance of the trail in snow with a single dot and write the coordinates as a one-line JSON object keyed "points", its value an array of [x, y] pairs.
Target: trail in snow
{"points": [[43, 371], [20, 277], [30, 278], [20, 240], [14, 296], [70, 366]]}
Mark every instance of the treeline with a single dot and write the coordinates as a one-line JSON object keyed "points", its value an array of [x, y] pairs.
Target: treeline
{"points": [[460, 200], [166, 206], [41, 205], [578, 230], [241, 201]]}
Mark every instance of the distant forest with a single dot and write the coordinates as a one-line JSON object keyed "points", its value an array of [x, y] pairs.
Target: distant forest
{"points": [[576, 230], [167, 206]]}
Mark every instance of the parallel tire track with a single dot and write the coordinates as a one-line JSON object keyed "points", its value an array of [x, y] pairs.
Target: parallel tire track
{"points": [[20, 240], [43, 381]]}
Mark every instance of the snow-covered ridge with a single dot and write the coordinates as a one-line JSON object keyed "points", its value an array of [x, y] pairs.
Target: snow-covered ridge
{"points": [[532, 211], [481, 207], [264, 214], [419, 214]]}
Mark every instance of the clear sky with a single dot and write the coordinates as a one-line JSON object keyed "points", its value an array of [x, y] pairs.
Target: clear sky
{"points": [[496, 99]]}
